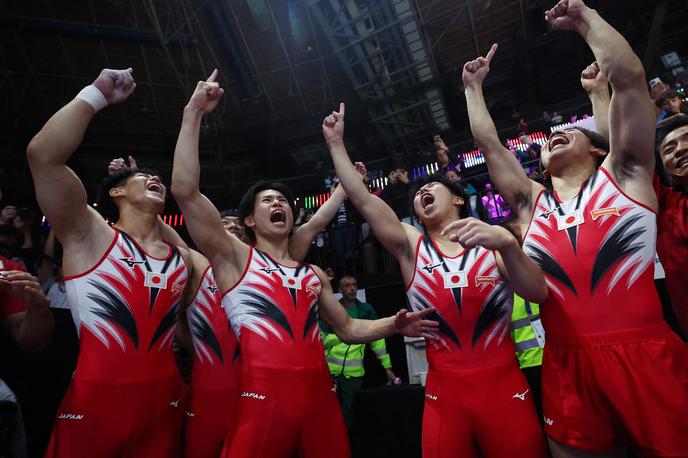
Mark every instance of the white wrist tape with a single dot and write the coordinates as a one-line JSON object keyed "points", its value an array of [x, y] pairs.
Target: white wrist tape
{"points": [[92, 95]]}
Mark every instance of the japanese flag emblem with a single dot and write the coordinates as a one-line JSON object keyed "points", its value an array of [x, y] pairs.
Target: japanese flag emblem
{"points": [[156, 280], [457, 279], [291, 282]]}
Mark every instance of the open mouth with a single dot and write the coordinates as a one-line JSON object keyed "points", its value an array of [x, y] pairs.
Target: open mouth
{"points": [[426, 200], [557, 140], [682, 162], [278, 216], [154, 187]]}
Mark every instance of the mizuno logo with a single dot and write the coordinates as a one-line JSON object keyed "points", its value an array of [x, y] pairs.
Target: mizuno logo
{"points": [[174, 403], [268, 270], [521, 396], [549, 421], [247, 394], [70, 416], [212, 288], [431, 396], [430, 267], [131, 262], [546, 214]]}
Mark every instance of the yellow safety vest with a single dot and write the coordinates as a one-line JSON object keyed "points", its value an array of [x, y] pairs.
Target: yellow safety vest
{"points": [[528, 349]]}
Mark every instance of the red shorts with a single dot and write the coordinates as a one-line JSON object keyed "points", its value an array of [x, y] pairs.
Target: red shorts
{"points": [[209, 421], [138, 419], [604, 391], [481, 410], [285, 411]]}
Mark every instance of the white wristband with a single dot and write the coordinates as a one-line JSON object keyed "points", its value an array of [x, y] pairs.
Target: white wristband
{"points": [[92, 95]]}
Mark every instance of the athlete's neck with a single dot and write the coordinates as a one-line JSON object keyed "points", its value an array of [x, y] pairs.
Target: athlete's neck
{"points": [[434, 230], [142, 226], [446, 245], [568, 183], [276, 249]]}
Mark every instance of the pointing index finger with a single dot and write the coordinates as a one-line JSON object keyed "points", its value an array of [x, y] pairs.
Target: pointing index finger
{"points": [[492, 52], [342, 108], [213, 77]]}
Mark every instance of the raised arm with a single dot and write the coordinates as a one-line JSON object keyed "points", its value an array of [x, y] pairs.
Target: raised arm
{"points": [[351, 330], [525, 277], [505, 171], [631, 114], [202, 218], [301, 240], [59, 191], [395, 236], [596, 85]]}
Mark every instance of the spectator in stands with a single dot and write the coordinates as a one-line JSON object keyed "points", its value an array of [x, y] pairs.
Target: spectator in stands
{"points": [[672, 230], [494, 204], [522, 126], [343, 234], [557, 118], [25, 315], [346, 361], [10, 242], [443, 158], [396, 193], [7, 214], [533, 151], [232, 223], [670, 102]]}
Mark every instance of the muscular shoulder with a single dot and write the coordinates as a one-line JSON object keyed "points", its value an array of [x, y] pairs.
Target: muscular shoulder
{"points": [[413, 235]]}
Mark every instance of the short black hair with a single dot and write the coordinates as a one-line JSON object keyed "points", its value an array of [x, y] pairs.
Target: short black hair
{"points": [[668, 126], [106, 204], [454, 187], [664, 96], [596, 140], [248, 202], [232, 212]]}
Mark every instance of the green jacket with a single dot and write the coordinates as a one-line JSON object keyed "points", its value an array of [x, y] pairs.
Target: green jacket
{"points": [[345, 359], [528, 350]]}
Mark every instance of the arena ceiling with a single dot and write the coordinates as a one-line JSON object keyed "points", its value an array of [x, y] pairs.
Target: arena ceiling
{"points": [[281, 75]]}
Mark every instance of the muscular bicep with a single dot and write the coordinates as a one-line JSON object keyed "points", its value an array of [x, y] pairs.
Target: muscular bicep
{"points": [[63, 200], [205, 228], [631, 138], [392, 233]]}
